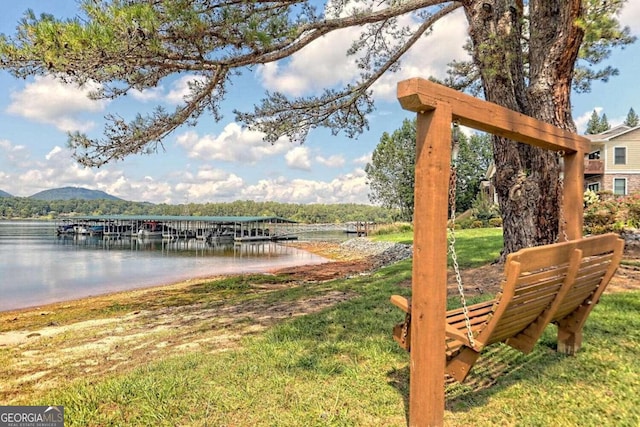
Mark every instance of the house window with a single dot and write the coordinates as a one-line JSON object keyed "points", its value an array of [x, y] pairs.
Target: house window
{"points": [[595, 187], [620, 186], [620, 155]]}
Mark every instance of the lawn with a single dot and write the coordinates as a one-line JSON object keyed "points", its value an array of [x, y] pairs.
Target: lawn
{"points": [[340, 367]]}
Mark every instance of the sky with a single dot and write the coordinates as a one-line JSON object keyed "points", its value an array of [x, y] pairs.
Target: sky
{"points": [[221, 161]]}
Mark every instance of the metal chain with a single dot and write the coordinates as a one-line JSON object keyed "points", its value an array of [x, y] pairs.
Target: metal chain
{"points": [[451, 235], [405, 327]]}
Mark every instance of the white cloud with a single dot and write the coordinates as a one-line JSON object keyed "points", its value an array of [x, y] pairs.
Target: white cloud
{"points": [[334, 161], [430, 55], [363, 160], [50, 101], [324, 62], [15, 154], [206, 184], [630, 16], [55, 170], [210, 174], [151, 94], [180, 89], [56, 150], [233, 144], [321, 64], [348, 188], [147, 190], [225, 187], [298, 158]]}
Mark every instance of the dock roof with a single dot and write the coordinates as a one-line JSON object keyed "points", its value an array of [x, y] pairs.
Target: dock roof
{"points": [[159, 218]]}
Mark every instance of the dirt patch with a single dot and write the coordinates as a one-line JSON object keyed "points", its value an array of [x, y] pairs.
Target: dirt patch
{"points": [[38, 354], [94, 348], [329, 271]]}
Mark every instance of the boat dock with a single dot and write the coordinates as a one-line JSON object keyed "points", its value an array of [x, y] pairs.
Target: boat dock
{"points": [[208, 228]]}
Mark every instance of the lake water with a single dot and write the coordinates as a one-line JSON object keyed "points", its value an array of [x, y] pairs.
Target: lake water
{"points": [[38, 267]]}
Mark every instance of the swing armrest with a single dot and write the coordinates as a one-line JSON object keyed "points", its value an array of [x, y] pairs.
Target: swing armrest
{"points": [[451, 332], [402, 303], [456, 334]]}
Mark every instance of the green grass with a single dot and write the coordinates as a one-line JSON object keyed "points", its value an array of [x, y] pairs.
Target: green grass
{"points": [[630, 263], [340, 367], [475, 246]]}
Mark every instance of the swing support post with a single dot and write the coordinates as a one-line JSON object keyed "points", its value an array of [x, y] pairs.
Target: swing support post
{"points": [[572, 198], [437, 107], [429, 287]]}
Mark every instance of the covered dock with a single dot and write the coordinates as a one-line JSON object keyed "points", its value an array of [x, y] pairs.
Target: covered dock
{"points": [[210, 228]]}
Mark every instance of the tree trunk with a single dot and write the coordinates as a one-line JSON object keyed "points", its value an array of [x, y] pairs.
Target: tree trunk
{"points": [[528, 178]]}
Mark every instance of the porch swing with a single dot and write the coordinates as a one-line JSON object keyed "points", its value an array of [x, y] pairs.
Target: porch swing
{"points": [[557, 283]]}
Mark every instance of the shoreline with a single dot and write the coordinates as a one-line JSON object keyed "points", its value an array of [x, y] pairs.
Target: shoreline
{"points": [[330, 251], [324, 250], [45, 346]]}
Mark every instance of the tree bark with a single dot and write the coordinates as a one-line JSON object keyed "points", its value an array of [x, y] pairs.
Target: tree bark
{"points": [[527, 180]]}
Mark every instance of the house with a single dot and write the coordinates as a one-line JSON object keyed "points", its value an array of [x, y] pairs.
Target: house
{"points": [[613, 162]]}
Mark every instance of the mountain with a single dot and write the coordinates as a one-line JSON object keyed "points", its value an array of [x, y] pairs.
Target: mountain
{"points": [[5, 194], [68, 193]]}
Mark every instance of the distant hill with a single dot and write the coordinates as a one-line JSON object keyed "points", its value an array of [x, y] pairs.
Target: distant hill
{"points": [[5, 194], [68, 193]]}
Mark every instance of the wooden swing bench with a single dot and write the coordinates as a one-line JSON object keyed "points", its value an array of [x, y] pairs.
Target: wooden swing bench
{"points": [[558, 283]]}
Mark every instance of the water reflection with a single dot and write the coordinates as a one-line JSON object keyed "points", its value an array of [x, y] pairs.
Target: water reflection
{"points": [[36, 266], [169, 247]]}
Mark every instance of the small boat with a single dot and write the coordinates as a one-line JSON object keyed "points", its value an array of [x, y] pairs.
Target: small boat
{"points": [[146, 234], [151, 229], [96, 230], [219, 236], [80, 229], [66, 229]]}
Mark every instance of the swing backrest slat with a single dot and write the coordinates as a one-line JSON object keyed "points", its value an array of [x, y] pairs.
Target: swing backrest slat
{"points": [[553, 283], [601, 257], [541, 273]]}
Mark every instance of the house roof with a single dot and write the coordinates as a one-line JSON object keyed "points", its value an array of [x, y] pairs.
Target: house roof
{"points": [[159, 218], [612, 133]]}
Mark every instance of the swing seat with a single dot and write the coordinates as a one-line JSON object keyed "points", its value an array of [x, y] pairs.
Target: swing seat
{"points": [[557, 283]]}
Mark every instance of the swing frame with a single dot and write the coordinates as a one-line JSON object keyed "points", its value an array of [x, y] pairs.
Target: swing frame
{"points": [[437, 107]]}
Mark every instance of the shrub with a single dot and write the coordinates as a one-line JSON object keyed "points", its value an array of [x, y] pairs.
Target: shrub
{"points": [[483, 208], [633, 210], [590, 197], [396, 227], [495, 222], [465, 223], [612, 214]]}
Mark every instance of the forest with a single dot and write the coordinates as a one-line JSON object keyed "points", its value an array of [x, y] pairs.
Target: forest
{"points": [[27, 208]]}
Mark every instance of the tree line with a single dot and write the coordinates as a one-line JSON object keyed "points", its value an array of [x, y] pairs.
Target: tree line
{"points": [[391, 172], [600, 123], [24, 207]]}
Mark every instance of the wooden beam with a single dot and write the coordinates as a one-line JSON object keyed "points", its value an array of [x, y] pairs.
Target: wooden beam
{"points": [[422, 95], [429, 283], [572, 196]]}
